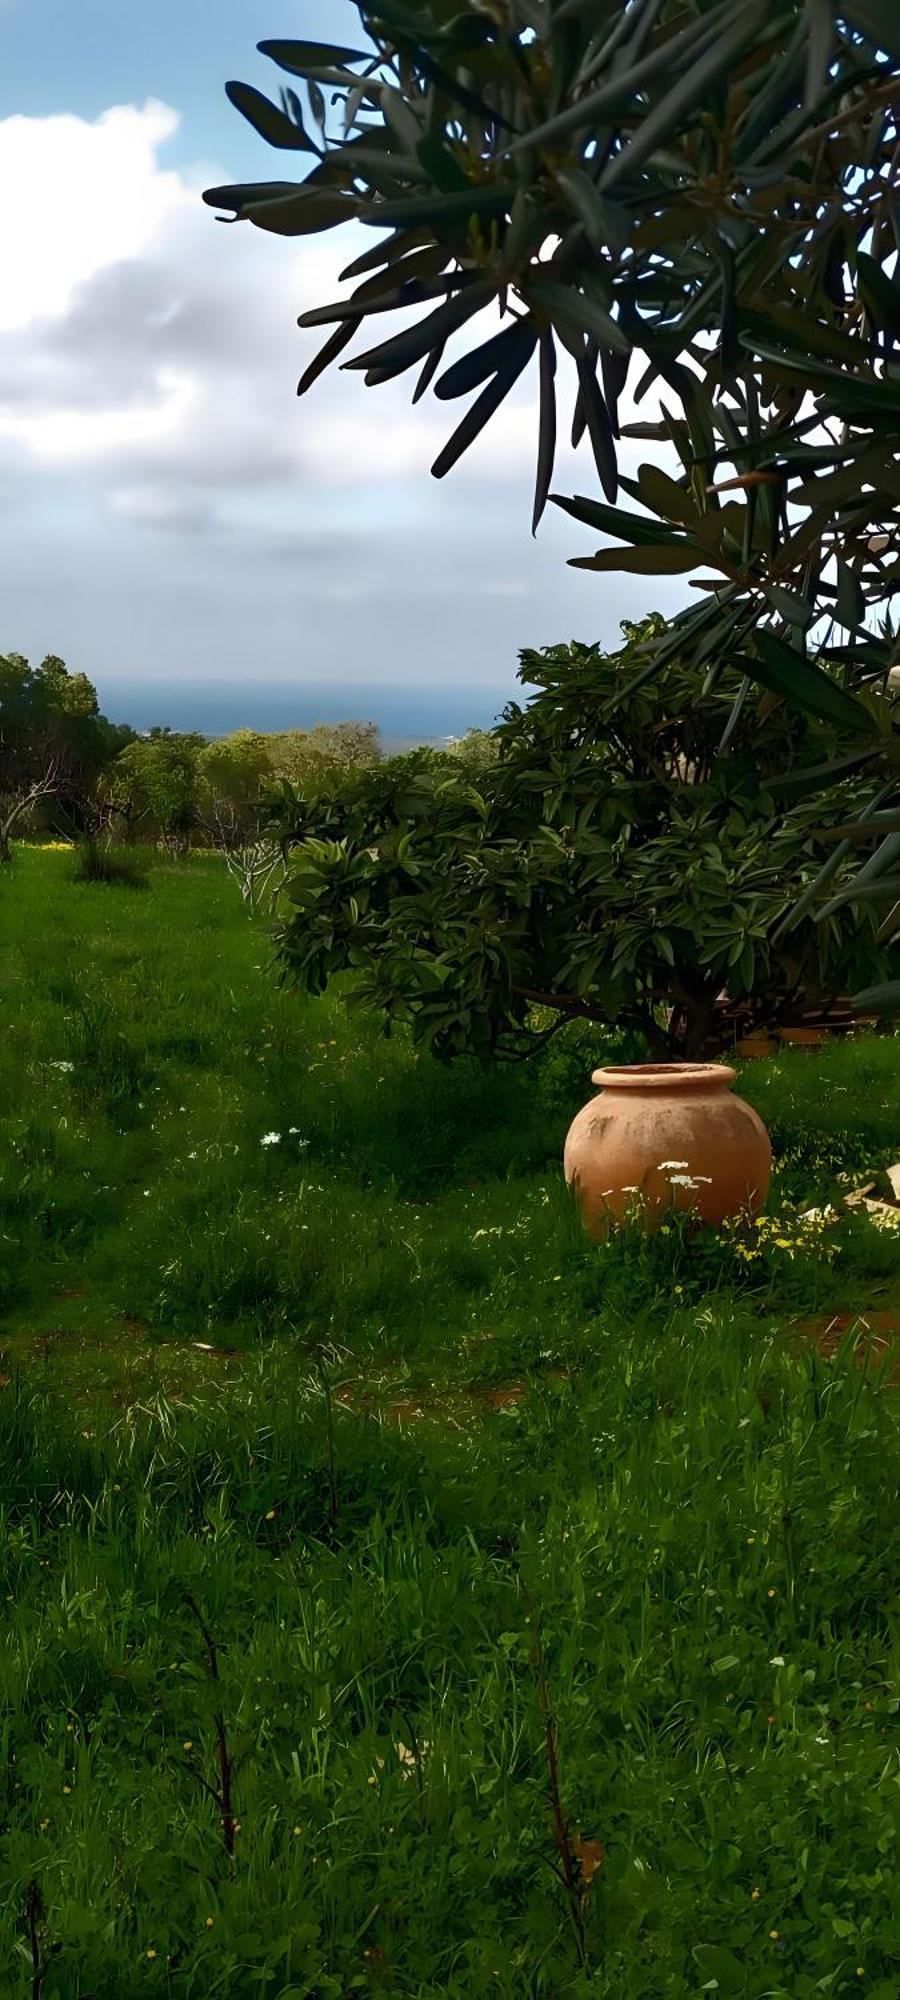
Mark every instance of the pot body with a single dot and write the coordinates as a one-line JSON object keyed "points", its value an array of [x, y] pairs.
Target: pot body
{"points": [[665, 1136]]}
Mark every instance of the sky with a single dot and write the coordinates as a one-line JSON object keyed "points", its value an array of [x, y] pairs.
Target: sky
{"points": [[172, 520]]}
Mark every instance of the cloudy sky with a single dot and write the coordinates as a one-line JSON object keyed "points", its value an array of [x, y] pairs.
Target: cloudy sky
{"points": [[170, 513]]}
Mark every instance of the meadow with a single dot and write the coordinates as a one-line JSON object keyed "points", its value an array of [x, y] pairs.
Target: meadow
{"points": [[402, 1594]]}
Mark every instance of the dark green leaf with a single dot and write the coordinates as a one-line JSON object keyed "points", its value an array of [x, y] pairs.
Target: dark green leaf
{"points": [[614, 370], [664, 497], [817, 777], [883, 999], [879, 20], [734, 719], [476, 367], [441, 165], [604, 105], [405, 349], [615, 521], [850, 608], [863, 892], [715, 1963], [675, 560], [890, 928], [248, 194], [302, 214], [790, 674], [881, 293], [884, 858], [579, 415], [429, 370], [547, 434], [388, 252], [788, 605], [820, 23], [430, 210], [481, 412], [316, 103], [574, 315], [801, 333], [606, 223], [599, 428], [692, 89], [386, 295], [324, 358], [266, 119], [861, 829], [305, 58]]}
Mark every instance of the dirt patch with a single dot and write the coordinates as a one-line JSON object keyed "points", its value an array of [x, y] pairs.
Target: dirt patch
{"points": [[877, 1335]]}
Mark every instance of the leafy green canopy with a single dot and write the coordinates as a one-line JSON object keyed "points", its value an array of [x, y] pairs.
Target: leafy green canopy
{"points": [[692, 194], [51, 726], [610, 865]]}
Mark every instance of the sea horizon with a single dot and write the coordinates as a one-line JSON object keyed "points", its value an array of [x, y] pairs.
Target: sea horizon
{"points": [[403, 715]]}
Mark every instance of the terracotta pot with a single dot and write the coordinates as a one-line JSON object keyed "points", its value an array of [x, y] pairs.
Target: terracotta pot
{"points": [[663, 1136]]}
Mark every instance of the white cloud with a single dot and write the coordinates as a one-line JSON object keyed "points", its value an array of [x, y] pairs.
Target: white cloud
{"points": [[144, 338], [140, 338], [85, 195], [80, 434], [148, 362]]}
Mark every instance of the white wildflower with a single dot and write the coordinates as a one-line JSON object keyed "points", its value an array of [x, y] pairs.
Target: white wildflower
{"points": [[676, 1165], [270, 1139]]}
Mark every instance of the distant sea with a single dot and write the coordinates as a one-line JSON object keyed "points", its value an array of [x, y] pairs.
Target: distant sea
{"points": [[405, 715]]}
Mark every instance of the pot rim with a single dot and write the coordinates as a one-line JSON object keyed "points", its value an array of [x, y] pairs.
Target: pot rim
{"points": [[665, 1076]]}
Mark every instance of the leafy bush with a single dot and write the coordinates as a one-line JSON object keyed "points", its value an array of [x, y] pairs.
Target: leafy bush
{"points": [[631, 858]]}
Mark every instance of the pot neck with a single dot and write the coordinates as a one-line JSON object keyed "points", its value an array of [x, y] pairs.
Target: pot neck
{"points": [[681, 1077]]}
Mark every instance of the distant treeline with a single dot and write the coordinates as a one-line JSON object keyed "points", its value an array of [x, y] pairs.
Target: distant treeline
{"points": [[65, 769]]}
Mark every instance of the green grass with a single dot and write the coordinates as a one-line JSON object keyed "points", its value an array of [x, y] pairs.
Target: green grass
{"points": [[247, 1389]]}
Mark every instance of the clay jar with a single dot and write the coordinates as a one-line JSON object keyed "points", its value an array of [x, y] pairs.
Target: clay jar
{"points": [[663, 1136]]}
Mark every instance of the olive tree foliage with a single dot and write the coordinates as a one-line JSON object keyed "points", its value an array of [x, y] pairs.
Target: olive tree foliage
{"points": [[609, 867], [694, 197]]}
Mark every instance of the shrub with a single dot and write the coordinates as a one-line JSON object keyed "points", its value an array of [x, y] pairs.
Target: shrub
{"points": [[628, 859]]}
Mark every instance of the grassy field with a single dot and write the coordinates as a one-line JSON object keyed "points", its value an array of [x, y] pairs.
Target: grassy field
{"points": [[404, 1596]]}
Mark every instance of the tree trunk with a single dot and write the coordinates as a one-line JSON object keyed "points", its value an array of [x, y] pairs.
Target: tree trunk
{"points": [[697, 1029]]}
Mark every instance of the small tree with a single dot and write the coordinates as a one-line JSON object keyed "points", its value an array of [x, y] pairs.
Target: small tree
{"points": [[16, 805], [611, 865], [233, 774], [155, 784], [54, 743]]}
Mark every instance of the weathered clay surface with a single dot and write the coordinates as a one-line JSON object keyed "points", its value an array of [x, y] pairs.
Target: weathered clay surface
{"points": [[663, 1136]]}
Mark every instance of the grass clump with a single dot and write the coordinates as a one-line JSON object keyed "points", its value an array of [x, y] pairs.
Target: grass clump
{"points": [[117, 868]]}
